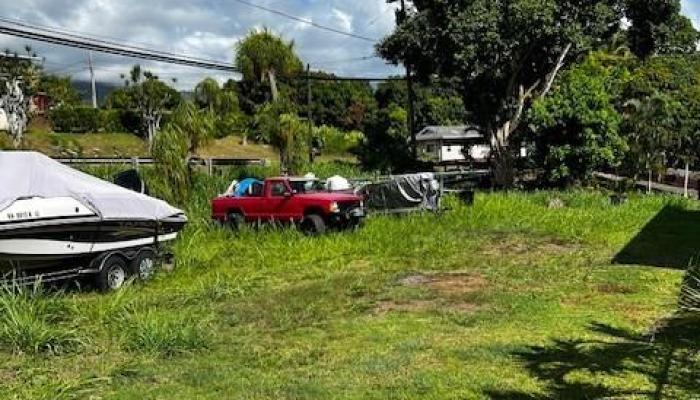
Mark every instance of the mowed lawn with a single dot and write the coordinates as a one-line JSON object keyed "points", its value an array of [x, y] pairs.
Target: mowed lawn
{"points": [[508, 299]]}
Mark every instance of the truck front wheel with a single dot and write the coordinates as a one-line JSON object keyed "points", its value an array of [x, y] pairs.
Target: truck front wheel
{"points": [[313, 225], [235, 220]]}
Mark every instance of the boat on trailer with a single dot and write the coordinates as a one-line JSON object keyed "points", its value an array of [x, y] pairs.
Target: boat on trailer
{"points": [[57, 223]]}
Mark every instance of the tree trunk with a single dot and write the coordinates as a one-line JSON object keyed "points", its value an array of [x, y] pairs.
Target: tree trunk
{"points": [[651, 174], [273, 84], [503, 167], [686, 180]]}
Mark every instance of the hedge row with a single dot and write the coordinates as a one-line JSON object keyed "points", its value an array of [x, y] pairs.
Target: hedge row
{"points": [[85, 119]]}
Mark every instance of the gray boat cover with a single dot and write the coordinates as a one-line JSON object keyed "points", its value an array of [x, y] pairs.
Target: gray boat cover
{"points": [[404, 193], [31, 174]]}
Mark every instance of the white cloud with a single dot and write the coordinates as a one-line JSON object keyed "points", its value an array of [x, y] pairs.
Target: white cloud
{"points": [[207, 29], [344, 20], [691, 8]]}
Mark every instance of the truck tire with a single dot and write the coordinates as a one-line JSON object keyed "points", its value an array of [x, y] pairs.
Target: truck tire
{"points": [[143, 266], [313, 225], [113, 275], [235, 220]]}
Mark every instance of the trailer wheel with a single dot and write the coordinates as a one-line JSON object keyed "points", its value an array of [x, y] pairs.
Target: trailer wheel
{"points": [[235, 220], [144, 265], [113, 274], [313, 225]]}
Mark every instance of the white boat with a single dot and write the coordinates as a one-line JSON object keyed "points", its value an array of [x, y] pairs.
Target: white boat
{"points": [[54, 220]]}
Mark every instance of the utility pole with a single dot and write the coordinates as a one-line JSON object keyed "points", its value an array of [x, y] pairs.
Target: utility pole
{"points": [[92, 80], [309, 119], [411, 93]]}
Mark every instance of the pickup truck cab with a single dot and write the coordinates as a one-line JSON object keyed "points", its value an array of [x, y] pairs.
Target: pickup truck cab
{"points": [[290, 200]]}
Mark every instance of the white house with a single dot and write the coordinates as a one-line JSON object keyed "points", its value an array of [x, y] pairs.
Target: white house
{"points": [[452, 144], [4, 124]]}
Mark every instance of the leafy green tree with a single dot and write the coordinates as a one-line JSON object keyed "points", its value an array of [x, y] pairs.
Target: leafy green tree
{"points": [[207, 94], [503, 55], [146, 94], [686, 138], [342, 104], [196, 125], [278, 125], [650, 125], [223, 107], [263, 56], [577, 127], [59, 90], [386, 145], [658, 27], [436, 102]]}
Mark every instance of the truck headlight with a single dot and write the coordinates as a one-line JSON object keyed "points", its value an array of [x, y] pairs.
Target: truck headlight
{"points": [[334, 207]]}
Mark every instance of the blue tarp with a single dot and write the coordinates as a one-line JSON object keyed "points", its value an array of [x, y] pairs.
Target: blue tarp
{"points": [[244, 186]]}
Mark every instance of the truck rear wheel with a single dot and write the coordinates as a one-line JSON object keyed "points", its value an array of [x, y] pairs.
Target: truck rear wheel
{"points": [[313, 225], [113, 275]]}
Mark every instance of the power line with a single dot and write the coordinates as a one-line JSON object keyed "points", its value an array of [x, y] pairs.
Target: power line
{"points": [[353, 79], [93, 38], [35, 33], [307, 21], [55, 36], [366, 58]]}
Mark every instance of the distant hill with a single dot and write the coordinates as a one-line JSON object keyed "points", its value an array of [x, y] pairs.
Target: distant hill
{"points": [[103, 90]]}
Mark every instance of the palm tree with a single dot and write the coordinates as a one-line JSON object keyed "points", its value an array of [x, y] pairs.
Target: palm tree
{"points": [[207, 94], [262, 56]]}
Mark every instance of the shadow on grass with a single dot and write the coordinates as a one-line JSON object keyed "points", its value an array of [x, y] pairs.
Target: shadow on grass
{"points": [[667, 358], [669, 240]]}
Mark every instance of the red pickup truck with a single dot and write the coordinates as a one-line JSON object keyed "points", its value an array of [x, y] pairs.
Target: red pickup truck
{"points": [[290, 200]]}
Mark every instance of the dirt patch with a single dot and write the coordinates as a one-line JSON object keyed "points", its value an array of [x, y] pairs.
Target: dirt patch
{"points": [[447, 284], [448, 288], [501, 246], [615, 288]]}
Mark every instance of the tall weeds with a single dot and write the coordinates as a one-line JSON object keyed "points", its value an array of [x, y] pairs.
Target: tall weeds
{"points": [[35, 322]]}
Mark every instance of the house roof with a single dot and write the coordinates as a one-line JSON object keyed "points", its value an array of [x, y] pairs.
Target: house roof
{"points": [[463, 132]]}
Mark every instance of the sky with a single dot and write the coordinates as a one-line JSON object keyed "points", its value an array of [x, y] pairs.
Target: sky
{"points": [[204, 28], [210, 29]]}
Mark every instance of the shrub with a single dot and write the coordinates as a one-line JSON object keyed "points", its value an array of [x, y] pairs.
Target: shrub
{"points": [[86, 119], [335, 141], [35, 323], [170, 150]]}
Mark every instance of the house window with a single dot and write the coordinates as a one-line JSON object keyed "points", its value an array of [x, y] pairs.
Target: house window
{"points": [[429, 148]]}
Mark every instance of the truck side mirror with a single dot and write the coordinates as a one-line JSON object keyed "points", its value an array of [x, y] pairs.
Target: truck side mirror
{"points": [[288, 194]]}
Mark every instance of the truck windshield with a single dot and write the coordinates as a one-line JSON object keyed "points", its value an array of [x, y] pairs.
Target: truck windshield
{"points": [[306, 186]]}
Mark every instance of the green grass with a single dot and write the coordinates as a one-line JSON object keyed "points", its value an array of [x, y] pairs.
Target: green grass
{"points": [[508, 299]]}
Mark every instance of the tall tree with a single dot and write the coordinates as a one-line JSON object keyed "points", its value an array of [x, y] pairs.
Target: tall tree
{"points": [[59, 90], [657, 26], [151, 97], [504, 54], [19, 77], [207, 94], [263, 56], [650, 124], [576, 128]]}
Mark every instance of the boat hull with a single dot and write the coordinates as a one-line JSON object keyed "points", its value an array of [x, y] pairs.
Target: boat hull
{"points": [[76, 243]]}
